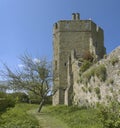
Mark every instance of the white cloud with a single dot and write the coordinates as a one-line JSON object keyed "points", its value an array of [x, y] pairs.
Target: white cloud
{"points": [[36, 60], [20, 65]]}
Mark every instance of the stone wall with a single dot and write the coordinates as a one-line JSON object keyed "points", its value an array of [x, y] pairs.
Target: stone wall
{"points": [[96, 90]]}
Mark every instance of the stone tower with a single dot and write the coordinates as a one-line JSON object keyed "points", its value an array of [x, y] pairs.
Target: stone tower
{"points": [[76, 34]]}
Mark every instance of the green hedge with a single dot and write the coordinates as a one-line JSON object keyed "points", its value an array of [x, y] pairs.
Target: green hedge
{"points": [[6, 101]]}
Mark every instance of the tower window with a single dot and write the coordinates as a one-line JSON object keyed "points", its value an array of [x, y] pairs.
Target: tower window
{"points": [[56, 65], [96, 44], [65, 64], [56, 25]]}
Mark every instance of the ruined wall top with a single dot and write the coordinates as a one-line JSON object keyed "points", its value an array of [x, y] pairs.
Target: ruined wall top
{"points": [[76, 24], [75, 16]]}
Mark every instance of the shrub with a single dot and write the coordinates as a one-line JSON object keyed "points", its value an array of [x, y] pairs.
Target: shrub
{"points": [[84, 89], [88, 56], [85, 65], [110, 81], [87, 75], [97, 90], [111, 90], [100, 72], [20, 97], [6, 101], [108, 97], [90, 89], [2, 94], [109, 115], [99, 96], [114, 60]]}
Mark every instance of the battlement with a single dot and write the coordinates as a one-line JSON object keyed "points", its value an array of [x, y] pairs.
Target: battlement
{"points": [[75, 25], [75, 16]]}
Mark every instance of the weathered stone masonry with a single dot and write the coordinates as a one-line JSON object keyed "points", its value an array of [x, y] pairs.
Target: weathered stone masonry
{"points": [[71, 37]]}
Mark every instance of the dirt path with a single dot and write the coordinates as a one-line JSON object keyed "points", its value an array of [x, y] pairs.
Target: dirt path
{"points": [[47, 121]]}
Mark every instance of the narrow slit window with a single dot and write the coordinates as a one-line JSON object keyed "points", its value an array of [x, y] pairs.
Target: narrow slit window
{"points": [[65, 64], [55, 65], [56, 25]]}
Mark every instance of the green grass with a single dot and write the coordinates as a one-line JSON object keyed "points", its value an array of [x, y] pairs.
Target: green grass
{"points": [[18, 117], [48, 121], [26, 116], [75, 117]]}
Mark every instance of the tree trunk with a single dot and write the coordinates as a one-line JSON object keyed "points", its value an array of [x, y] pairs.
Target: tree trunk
{"points": [[41, 105]]}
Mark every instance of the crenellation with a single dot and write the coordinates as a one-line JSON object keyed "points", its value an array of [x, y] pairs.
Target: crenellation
{"points": [[72, 26], [75, 16]]}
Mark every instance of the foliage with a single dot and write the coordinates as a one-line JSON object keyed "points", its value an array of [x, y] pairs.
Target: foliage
{"points": [[85, 65], [75, 117], [90, 89], [88, 56], [3, 94], [88, 74], [18, 117], [48, 100], [34, 99], [84, 89], [3, 87], [99, 71], [20, 97], [110, 115], [35, 77], [109, 81], [97, 90], [6, 101], [114, 60]]}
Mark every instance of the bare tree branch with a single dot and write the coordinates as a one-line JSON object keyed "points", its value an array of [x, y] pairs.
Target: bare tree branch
{"points": [[35, 76]]}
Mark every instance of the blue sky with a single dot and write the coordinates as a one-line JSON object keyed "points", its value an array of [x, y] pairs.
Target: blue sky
{"points": [[26, 25]]}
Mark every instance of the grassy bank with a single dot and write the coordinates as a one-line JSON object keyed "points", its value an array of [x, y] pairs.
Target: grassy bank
{"points": [[22, 117], [75, 117], [17, 117]]}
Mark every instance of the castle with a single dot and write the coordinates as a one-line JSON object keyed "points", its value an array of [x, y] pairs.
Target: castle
{"points": [[71, 39]]}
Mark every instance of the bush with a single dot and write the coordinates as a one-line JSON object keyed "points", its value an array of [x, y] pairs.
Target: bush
{"points": [[114, 60], [88, 56], [109, 81], [97, 90], [110, 115], [20, 97], [2, 94], [87, 75], [100, 72], [6, 101], [90, 89], [85, 65]]}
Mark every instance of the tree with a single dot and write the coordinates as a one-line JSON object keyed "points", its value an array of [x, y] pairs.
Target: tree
{"points": [[35, 76], [3, 86]]}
